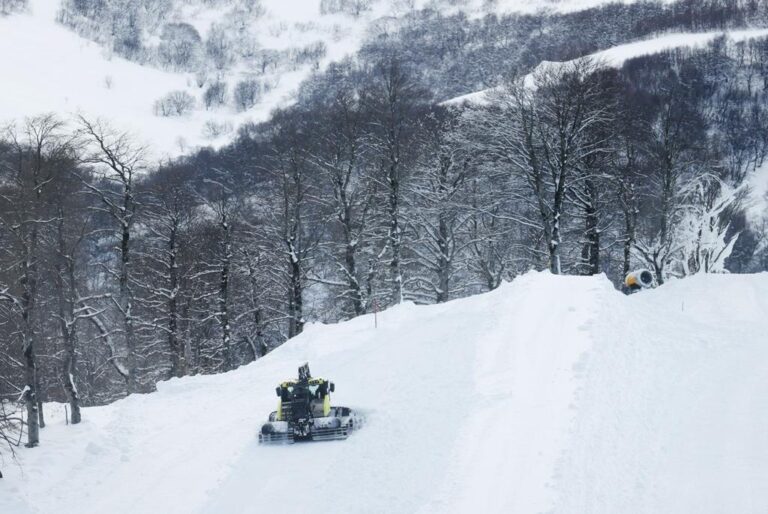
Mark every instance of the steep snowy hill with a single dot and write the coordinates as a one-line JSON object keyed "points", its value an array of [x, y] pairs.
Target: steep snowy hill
{"points": [[550, 394], [277, 47], [56, 70]]}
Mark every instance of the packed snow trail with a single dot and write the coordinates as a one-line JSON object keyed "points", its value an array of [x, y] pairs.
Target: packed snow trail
{"points": [[435, 382], [550, 394]]}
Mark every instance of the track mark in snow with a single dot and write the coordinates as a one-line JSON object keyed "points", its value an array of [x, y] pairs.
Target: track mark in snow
{"points": [[524, 388]]}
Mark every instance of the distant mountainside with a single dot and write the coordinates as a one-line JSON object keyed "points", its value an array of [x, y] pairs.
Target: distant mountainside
{"points": [[184, 74]]}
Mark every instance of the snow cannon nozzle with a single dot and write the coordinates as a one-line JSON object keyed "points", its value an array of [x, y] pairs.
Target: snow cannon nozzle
{"points": [[639, 279]]}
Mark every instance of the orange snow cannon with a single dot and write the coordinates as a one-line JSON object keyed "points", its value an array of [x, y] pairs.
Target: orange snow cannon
{"points": [[638, 280]]}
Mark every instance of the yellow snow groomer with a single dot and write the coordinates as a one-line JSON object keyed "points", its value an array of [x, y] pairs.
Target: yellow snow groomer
{"points": [[304, 413]]}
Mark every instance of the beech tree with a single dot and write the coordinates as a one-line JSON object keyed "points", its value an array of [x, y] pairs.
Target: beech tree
{"points": [[396, 103], [541, 130], [341, 155], [438, 208], [33, 167], [167, 217], [117, 159], [295, 200]]}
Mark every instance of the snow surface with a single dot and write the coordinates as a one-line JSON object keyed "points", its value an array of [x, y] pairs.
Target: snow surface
{"points": [[550, 394], [616, 56]]}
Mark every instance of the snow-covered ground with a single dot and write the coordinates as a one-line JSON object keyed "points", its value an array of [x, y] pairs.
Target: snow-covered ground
{"points": [[551, 394]]}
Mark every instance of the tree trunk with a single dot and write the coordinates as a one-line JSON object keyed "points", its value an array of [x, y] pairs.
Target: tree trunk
{"points": [[295, 300], [31, 398], [226, 337], [395, 236], [554, 246], [444, 261], [65, 282], [126, 302], [178, 362], [590, 254], [350, 263]]}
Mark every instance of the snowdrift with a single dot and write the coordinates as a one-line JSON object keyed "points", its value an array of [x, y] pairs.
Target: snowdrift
{"points": [[550, 394]]}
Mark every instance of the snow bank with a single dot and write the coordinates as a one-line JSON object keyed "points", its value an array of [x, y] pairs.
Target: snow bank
{"points": [[550, 394], [672, 409]]}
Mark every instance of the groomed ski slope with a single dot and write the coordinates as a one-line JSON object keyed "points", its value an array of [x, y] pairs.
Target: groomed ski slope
{"points": [[551, 394]]}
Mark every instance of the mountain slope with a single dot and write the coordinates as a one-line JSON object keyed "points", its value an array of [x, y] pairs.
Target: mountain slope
{"points": [[616, 56], [550, 394], [276, 45]]}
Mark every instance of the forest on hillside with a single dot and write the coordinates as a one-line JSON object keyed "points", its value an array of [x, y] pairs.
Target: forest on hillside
{"points": [[117, 272]]}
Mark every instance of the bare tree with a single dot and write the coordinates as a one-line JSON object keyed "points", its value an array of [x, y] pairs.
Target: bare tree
{"points": [[175, 103], [167, 217], [438, 208], [341, 156], [73, 229], [32, 169], [295, 200], [396, 103], [117, 159], [222, 200], [541, 131], [674, 133], [247, 93]]}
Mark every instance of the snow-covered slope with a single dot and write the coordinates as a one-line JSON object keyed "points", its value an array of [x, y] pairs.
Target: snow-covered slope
{"points": [[551, 394], [616, 56], [54, 70]]}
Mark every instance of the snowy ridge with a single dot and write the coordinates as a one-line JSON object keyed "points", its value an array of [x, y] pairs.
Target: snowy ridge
{"points": [[550, 394], [616, 56]]}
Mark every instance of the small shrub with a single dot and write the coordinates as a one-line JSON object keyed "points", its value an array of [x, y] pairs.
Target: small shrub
{"points": [[247, 93], [215, 95], [175, 103], [213, 129]]}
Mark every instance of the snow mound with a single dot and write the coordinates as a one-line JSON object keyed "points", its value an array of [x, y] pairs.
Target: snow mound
{"points": [[550, 394]]}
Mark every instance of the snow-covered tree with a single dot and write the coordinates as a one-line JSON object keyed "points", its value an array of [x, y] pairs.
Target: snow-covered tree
{"points": [[396, 103], [117, 159]]}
